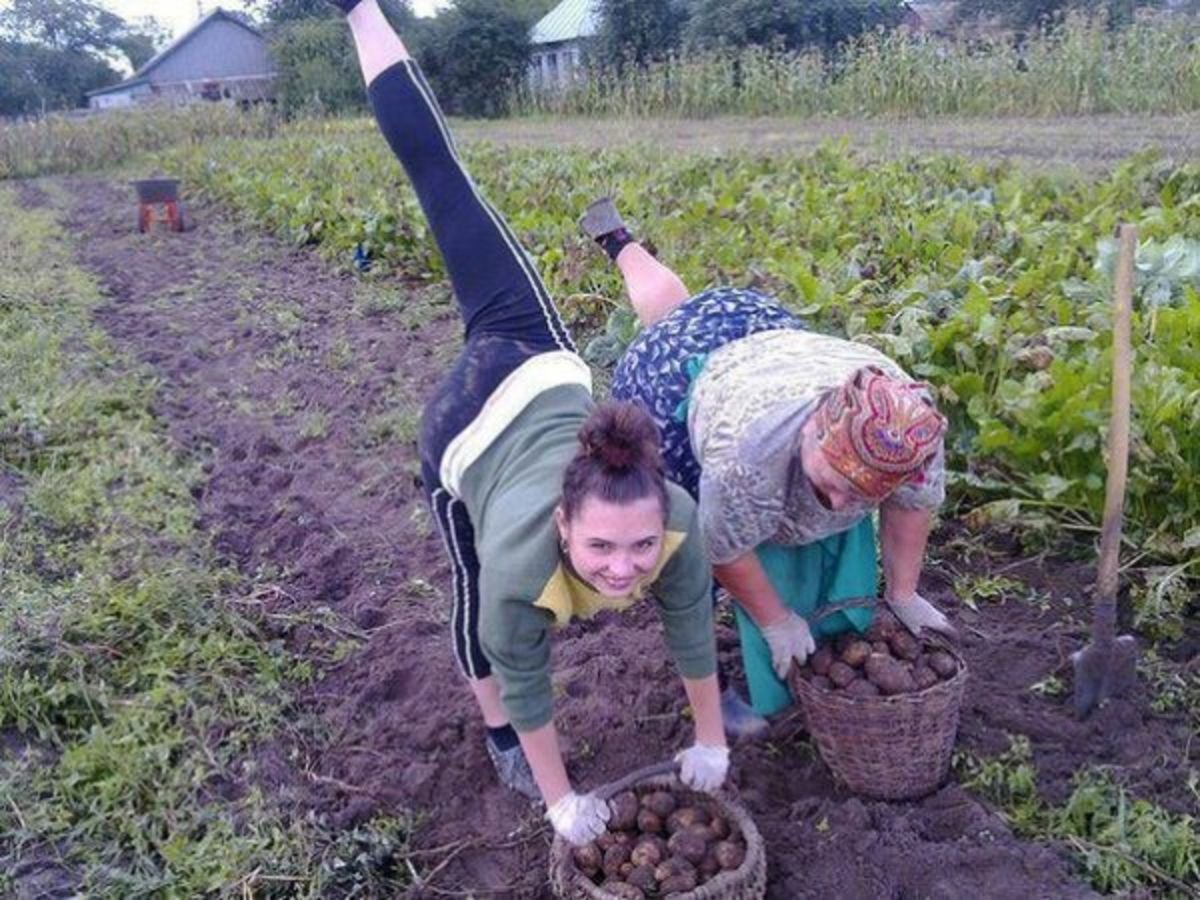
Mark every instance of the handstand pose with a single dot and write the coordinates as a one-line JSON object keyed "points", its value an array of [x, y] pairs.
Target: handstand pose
{"points": [[790, 440], [550, 508]]}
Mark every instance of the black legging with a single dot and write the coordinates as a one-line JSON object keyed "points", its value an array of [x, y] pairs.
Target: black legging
{"points": [[507, 311]]}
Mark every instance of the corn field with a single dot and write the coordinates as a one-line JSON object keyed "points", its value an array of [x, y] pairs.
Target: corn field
{"points": [[1082, 68], [67, 144]]}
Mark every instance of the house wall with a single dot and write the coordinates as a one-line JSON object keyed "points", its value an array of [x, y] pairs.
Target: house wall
{"points": [[118, 99], [555, 65]]}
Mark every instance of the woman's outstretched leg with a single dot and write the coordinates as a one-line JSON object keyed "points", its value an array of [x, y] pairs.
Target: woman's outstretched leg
{"points": [[654, 290], [507, 313], [498, 290]]}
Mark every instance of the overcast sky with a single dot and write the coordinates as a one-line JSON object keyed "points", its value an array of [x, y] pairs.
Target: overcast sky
{"points": [[179, 15]]}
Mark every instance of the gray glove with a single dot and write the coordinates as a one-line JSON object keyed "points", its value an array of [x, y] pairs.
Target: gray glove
{"points": [[788, 639], [916, 613]]}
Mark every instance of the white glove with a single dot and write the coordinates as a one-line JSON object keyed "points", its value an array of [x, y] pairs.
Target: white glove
{"points": [[789, 639], [703, 767], [917, 613], [579, 818]]}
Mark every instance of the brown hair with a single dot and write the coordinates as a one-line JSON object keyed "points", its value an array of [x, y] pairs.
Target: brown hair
{"points": [[618, 459]]}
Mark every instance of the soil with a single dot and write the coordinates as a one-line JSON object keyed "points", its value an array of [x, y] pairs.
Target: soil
{"points": [[331, 525]]}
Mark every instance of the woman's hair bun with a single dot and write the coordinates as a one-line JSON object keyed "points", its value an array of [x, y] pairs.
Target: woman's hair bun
{"points": [[618, 459], [620, 436]]}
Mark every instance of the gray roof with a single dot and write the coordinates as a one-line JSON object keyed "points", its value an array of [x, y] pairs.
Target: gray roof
{"points": [[140, 76], [217, 13], [568, 21]]}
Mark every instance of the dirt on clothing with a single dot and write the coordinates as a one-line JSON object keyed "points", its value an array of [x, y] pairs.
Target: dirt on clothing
{"points": [[276, 373]]}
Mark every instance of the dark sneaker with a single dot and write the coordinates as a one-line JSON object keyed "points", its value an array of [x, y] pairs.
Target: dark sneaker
{"points": [[513, 770], [741, 721], [601, 218]]}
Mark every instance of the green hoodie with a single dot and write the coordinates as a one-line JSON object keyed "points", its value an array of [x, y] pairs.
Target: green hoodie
{"points": [[511, 492]]}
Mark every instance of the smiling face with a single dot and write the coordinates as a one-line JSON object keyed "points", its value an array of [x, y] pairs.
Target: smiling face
{"points": [[613, 546]]}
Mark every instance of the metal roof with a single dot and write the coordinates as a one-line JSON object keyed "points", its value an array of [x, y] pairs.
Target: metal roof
{"points": [[568, 21]]}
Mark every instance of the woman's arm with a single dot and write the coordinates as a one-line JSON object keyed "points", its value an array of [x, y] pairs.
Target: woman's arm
{"points": [[903, 536], [747, 581], [545, 760]]}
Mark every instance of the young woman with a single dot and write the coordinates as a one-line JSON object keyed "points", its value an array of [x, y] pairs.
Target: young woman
{"points": [[549, 507], [790, 440]]}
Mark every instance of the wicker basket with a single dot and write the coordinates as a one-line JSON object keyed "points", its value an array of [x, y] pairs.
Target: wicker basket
{"points": [[747, 882], [889, 748]]}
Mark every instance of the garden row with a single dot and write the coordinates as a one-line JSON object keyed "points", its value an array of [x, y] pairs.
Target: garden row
{"points": [[988, 281]]}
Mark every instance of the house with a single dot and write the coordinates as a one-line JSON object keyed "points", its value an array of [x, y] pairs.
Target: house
{"points": [[558, 39], [929, 17], [221, 58]]}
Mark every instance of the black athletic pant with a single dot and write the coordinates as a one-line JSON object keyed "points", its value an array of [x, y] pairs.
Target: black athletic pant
{"points": [[507, 312]]}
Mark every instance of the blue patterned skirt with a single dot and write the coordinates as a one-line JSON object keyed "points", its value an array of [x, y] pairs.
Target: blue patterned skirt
{"points": [[657, 370]]}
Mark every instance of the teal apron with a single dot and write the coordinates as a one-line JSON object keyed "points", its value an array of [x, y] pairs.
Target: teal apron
{"points": [[807, 578]]}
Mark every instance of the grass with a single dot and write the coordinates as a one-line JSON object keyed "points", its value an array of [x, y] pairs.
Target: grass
{"points": [[132, 681], [1123, 844], [1079, 68]]}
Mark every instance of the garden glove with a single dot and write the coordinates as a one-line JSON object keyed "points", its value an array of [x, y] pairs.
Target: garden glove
{"points": [[788, 639], [917, 613], [703, 767], [579, 818]]}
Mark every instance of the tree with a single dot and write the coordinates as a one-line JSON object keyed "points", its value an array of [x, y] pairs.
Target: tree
{"points": [[791, 24], [1031, 15], [474, 54], [82, 26], [281, 12], [35, 79], [317, 70], [638, 31]]}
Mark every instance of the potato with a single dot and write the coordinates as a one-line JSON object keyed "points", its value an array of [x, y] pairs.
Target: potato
{"points": [[709, 866], [924, 677], [689, 843], [626, 868], [860, 687], [679, 884], [622, 891], [624, 811], [943, 663], [685, 816], [642, 878], [649, 822], [588, 858], [856, 653], [719, 826], [904, 645], [729, 854], [889, 675], [615, 857], [881, 647], [648, 853], [822, 660], [841, 674], [661, 803], [883, 625], [672, 867]]}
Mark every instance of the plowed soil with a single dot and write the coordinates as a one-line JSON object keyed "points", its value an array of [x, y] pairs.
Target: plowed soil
{"points": [[298, 393]]}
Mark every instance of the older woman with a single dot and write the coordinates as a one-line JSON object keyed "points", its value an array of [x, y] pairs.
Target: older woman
{"points": [[790, 440]]}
